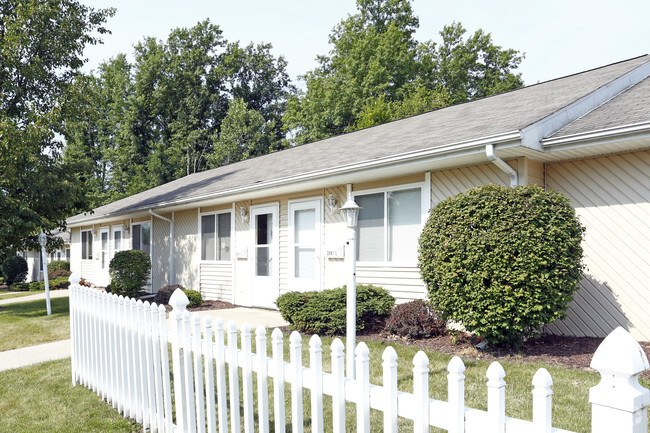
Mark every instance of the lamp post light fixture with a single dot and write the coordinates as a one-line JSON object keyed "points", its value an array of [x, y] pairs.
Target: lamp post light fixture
{"points": [[42, 241], [351, 212]]}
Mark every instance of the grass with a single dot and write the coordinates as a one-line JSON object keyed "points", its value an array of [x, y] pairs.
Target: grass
{"points": [[27, 323], [9, 295], [41, 398]]}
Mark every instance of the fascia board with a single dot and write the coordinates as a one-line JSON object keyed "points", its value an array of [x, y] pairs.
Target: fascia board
{"points": [[532, 135], [597, 135]]}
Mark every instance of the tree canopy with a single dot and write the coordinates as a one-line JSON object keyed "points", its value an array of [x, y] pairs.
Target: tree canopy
{"points": [[377, 72], [41, 46], [176, 110]]}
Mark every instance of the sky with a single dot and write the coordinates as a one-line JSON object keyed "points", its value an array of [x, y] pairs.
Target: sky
{"points": [[557, 37]]}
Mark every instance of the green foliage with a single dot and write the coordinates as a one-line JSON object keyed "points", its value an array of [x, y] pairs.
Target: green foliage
{"points": [[42, 46], [415, 320], [34, 286], [195, 298], [502, 261], [377, 72], [176, 110], [14, 269], [163, 295], [56, 265], [59, 283], [129, 271], [19, 287], [324, 312]]}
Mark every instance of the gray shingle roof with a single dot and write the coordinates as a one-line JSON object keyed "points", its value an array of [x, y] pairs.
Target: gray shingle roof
{"points": [[500, 114], [629, 108]]}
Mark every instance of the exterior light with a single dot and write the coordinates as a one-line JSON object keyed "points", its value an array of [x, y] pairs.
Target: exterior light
{"points": [[351, 211], [42, 239], [243, 214], [331, 202]]}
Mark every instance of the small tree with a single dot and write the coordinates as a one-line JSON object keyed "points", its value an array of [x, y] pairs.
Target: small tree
{"points": [[502, 261], [14, 269], [129, 271]]}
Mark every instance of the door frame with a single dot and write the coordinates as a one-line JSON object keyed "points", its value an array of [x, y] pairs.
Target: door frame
{"points": [[104, 277], [265, 290]]}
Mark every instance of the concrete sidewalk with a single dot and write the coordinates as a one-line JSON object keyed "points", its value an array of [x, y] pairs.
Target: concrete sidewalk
{"points": [[61, 349], [36, 297]]}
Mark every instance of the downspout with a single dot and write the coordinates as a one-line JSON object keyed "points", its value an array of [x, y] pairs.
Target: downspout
{"points": [[171, 244], [514, 178]]}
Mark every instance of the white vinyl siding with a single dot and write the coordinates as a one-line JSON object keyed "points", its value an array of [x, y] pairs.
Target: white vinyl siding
{"points": [[216, 280]]}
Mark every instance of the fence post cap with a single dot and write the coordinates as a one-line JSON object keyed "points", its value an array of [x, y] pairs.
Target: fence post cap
{"points": [[620, 353], [179, 302], [74, 278]]}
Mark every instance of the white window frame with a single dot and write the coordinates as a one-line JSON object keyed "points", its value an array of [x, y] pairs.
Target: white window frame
{"points": [[424, 209], [92, 249], [232, 235], [315, 203], [114, 229], [139, 226]]}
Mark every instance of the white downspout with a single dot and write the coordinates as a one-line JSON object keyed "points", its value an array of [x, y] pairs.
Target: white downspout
{"points": [[514, 178], [171, 244]]}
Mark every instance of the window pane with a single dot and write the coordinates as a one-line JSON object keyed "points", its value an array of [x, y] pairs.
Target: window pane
{"points": [[117, 240], [84, 245], [404, 224], [67, 254], [305, 262], [264, 224], [263, 261], [135, 237], [224, 237], [370, 228], [208, 237], [90, 245], [146, 238], [305, 227]]}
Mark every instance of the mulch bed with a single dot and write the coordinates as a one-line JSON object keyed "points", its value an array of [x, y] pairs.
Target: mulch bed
{"points": [[207, 305], [569, 352]]}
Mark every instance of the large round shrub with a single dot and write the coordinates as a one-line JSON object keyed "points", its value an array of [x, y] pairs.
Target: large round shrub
{"points": [[129, 271], [502, 261], [14, 269]]}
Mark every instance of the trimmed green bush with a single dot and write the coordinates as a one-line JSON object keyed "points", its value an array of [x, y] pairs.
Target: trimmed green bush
{"points": [[55, 284], [324, 312], [129, 271], [14, 269], [502, 261], [415, 320], [194, 297], [34, 285], [57, 265], [19, 287], [58, 273]]}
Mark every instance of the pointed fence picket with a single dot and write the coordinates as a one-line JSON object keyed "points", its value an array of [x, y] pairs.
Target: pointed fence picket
{"points": [[120, 350]]}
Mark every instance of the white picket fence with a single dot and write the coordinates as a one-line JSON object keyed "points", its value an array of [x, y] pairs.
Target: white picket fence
{"points": [[120, 349]]}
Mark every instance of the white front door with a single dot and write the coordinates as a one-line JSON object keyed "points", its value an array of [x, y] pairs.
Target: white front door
{"points": [[104, 256], [264, 231]]}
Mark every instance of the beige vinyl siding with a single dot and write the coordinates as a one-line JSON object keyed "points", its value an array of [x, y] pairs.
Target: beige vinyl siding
{"points": [[216, 281], [334, 236], [159, 252], [447, 183], [530, 172], [186, 259], [403, 282], [283, 242], [612, 198]]}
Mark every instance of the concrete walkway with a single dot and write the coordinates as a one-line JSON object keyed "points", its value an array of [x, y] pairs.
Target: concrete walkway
{"points": [[61, 349]]}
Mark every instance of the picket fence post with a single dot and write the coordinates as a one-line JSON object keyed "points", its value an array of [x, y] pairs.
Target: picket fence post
{"points": [[179, 303], [619, 403]]}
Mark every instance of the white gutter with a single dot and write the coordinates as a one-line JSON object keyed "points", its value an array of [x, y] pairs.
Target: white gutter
{"points": [[171, 243], [600, 134], [514, 178]]}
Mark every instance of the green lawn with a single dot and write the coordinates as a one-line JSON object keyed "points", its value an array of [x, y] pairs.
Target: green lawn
{"points": [[41, 398], [8, 295], [27, 323]]}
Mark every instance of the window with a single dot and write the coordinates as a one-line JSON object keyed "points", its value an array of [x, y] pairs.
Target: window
{"points": [[117, 240], [86, 245], [67, 254], [215, 236], [389, 225], [305, 219], [141, 237]]}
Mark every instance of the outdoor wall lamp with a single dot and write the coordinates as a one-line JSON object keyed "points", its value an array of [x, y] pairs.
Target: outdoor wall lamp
{"points": [[243, 214], [331, 202]]}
